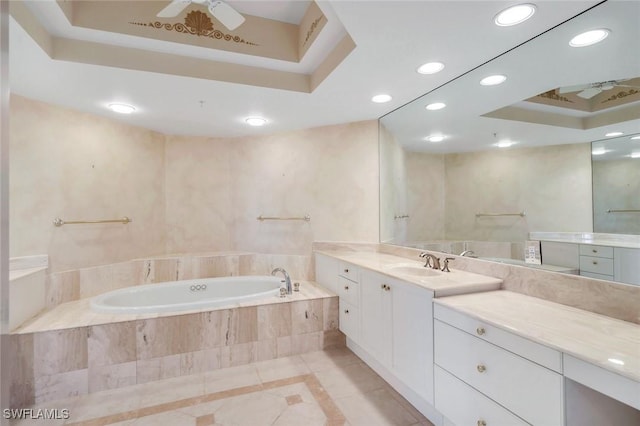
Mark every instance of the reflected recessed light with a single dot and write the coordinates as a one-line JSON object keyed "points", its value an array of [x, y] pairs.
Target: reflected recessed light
{"points": [[430, 68], [635, 138], [435, 106], [255, 121], [615, 361], [515, 15], [588, 38], [492, 80], [635, 154], [435, 138], [122, 108], [505, 143], [598, 151], [380, 99], [612, 134]]}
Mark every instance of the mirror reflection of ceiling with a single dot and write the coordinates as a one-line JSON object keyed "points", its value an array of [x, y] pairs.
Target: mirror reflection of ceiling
{"points": [[617, 148], [477, 117]]}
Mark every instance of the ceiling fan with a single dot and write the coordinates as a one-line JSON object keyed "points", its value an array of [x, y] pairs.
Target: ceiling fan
{"points": [[588, 91], [220, 10]]}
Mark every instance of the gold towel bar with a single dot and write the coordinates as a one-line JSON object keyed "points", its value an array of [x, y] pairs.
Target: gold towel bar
{"points": [[623, 211], [59, 222], [521, 214]]}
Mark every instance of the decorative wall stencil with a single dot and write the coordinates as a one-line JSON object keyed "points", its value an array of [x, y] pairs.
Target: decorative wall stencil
{"points": [[621, 94], [312, 28], [196, 23], [551, 94]]}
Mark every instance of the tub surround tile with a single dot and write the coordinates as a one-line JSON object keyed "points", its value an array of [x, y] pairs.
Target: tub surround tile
{"points": [[97, 280], [150, 370], [61, 385], [330, 313], [111, 343], [216, 266], [199, 361], [169, 335], [60, 351], [22, 384], [240, 354], [307, 316], [165, 270], [284, 346], [102, 377], [62, 287], [267, 349], [302, 343], [239, 325], [274, 320]]}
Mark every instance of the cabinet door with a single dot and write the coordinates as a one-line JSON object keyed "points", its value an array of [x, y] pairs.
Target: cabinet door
{"points": [[375, 325], [626, 265], [327, 272], [412, 337]]}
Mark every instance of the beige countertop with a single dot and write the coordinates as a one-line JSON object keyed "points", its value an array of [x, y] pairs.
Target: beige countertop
{"points": [[441, 283], [612, 240], [603, 341]]}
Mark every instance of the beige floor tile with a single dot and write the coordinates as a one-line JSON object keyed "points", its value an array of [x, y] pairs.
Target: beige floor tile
{"points": [[308, 414], [374, 408], [105, 403], [169, 390], [421, 419], [260, 408], [171, 418], [281, 368], [329, 358], [349, 380], [230, 378], [202, 409]]}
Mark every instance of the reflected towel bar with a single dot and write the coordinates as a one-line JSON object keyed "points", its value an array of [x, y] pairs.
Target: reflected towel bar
{"points": [[261, 218], [404, 216], [521, 214], [59, 222], [623, 211]]}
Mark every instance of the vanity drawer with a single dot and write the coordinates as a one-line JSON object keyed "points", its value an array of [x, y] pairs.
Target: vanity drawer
{"points": [[533, 351], [348, 290], [598, 276], [349, 271], [529, 390], [597, 251], [349, 320], [596, 265], [463, 405]]}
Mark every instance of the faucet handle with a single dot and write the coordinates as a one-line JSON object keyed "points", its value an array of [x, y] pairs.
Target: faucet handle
{"points": [[445, 267]]}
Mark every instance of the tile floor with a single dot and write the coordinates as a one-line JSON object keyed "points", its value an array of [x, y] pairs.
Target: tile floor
{"points": [[331, 387]]}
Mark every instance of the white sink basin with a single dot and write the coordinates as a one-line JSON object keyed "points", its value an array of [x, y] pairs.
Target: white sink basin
{"points": [[414, 270]]}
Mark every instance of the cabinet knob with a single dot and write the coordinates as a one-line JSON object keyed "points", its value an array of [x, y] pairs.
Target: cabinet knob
{"points": [[346, 271], [481, 368], [387, 288], [595, 262], [480, 331], [482, 423], [346, 311], [594, 250], [346, 287]]}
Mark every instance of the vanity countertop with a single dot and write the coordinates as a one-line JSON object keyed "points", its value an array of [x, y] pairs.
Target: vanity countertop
{"points": [[441, 283], [603, 341], [611, 240]]}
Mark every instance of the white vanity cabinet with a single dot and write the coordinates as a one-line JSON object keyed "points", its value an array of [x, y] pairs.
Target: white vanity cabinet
{"points": [[505, 379], [396, 329]]}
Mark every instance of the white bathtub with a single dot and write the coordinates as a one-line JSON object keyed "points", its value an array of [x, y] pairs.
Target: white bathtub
{"points": [[186, 295]]}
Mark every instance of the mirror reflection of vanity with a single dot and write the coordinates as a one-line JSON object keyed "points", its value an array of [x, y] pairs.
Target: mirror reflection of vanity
{"points": [[562, 181]]}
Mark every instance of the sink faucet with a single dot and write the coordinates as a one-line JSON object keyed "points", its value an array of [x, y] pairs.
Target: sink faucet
{"points": [[469, 253], [430, 260], [287, 279]]}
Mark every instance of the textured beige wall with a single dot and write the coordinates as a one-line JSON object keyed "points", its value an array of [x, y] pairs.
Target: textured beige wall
{"points": [[552, 184], [616, 186], [393, 189], [426, 196], [217, 188], [77, 166]]}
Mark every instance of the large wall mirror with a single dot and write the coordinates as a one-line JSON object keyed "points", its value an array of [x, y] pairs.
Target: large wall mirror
{"points": [[554, 148]]}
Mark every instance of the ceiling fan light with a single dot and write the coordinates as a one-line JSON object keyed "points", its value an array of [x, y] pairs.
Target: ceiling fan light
{"points": [[514, 15], [430, 68], [589, 37]]}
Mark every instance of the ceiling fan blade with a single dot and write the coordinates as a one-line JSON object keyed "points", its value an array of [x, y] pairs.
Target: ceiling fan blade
{"points": [[227, 15], [174, 8], [589, 93], [577, 88]]}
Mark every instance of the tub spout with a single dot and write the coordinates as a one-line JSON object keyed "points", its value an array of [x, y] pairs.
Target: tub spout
{"points": [[287, 279]]}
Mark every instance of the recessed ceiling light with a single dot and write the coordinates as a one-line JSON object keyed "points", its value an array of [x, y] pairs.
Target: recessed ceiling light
{"points": [[380, 99], [122, 108], [635, 154], [435, 138], [430, 68], [612, 134], [435, 106], [635, 138], [492, 80], [515, 15], [598, 151], [588, 38], [255, 121], [505, 143]]}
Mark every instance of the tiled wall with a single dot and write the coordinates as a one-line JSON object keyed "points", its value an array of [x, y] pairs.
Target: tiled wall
{"points": [[61, 363]]}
